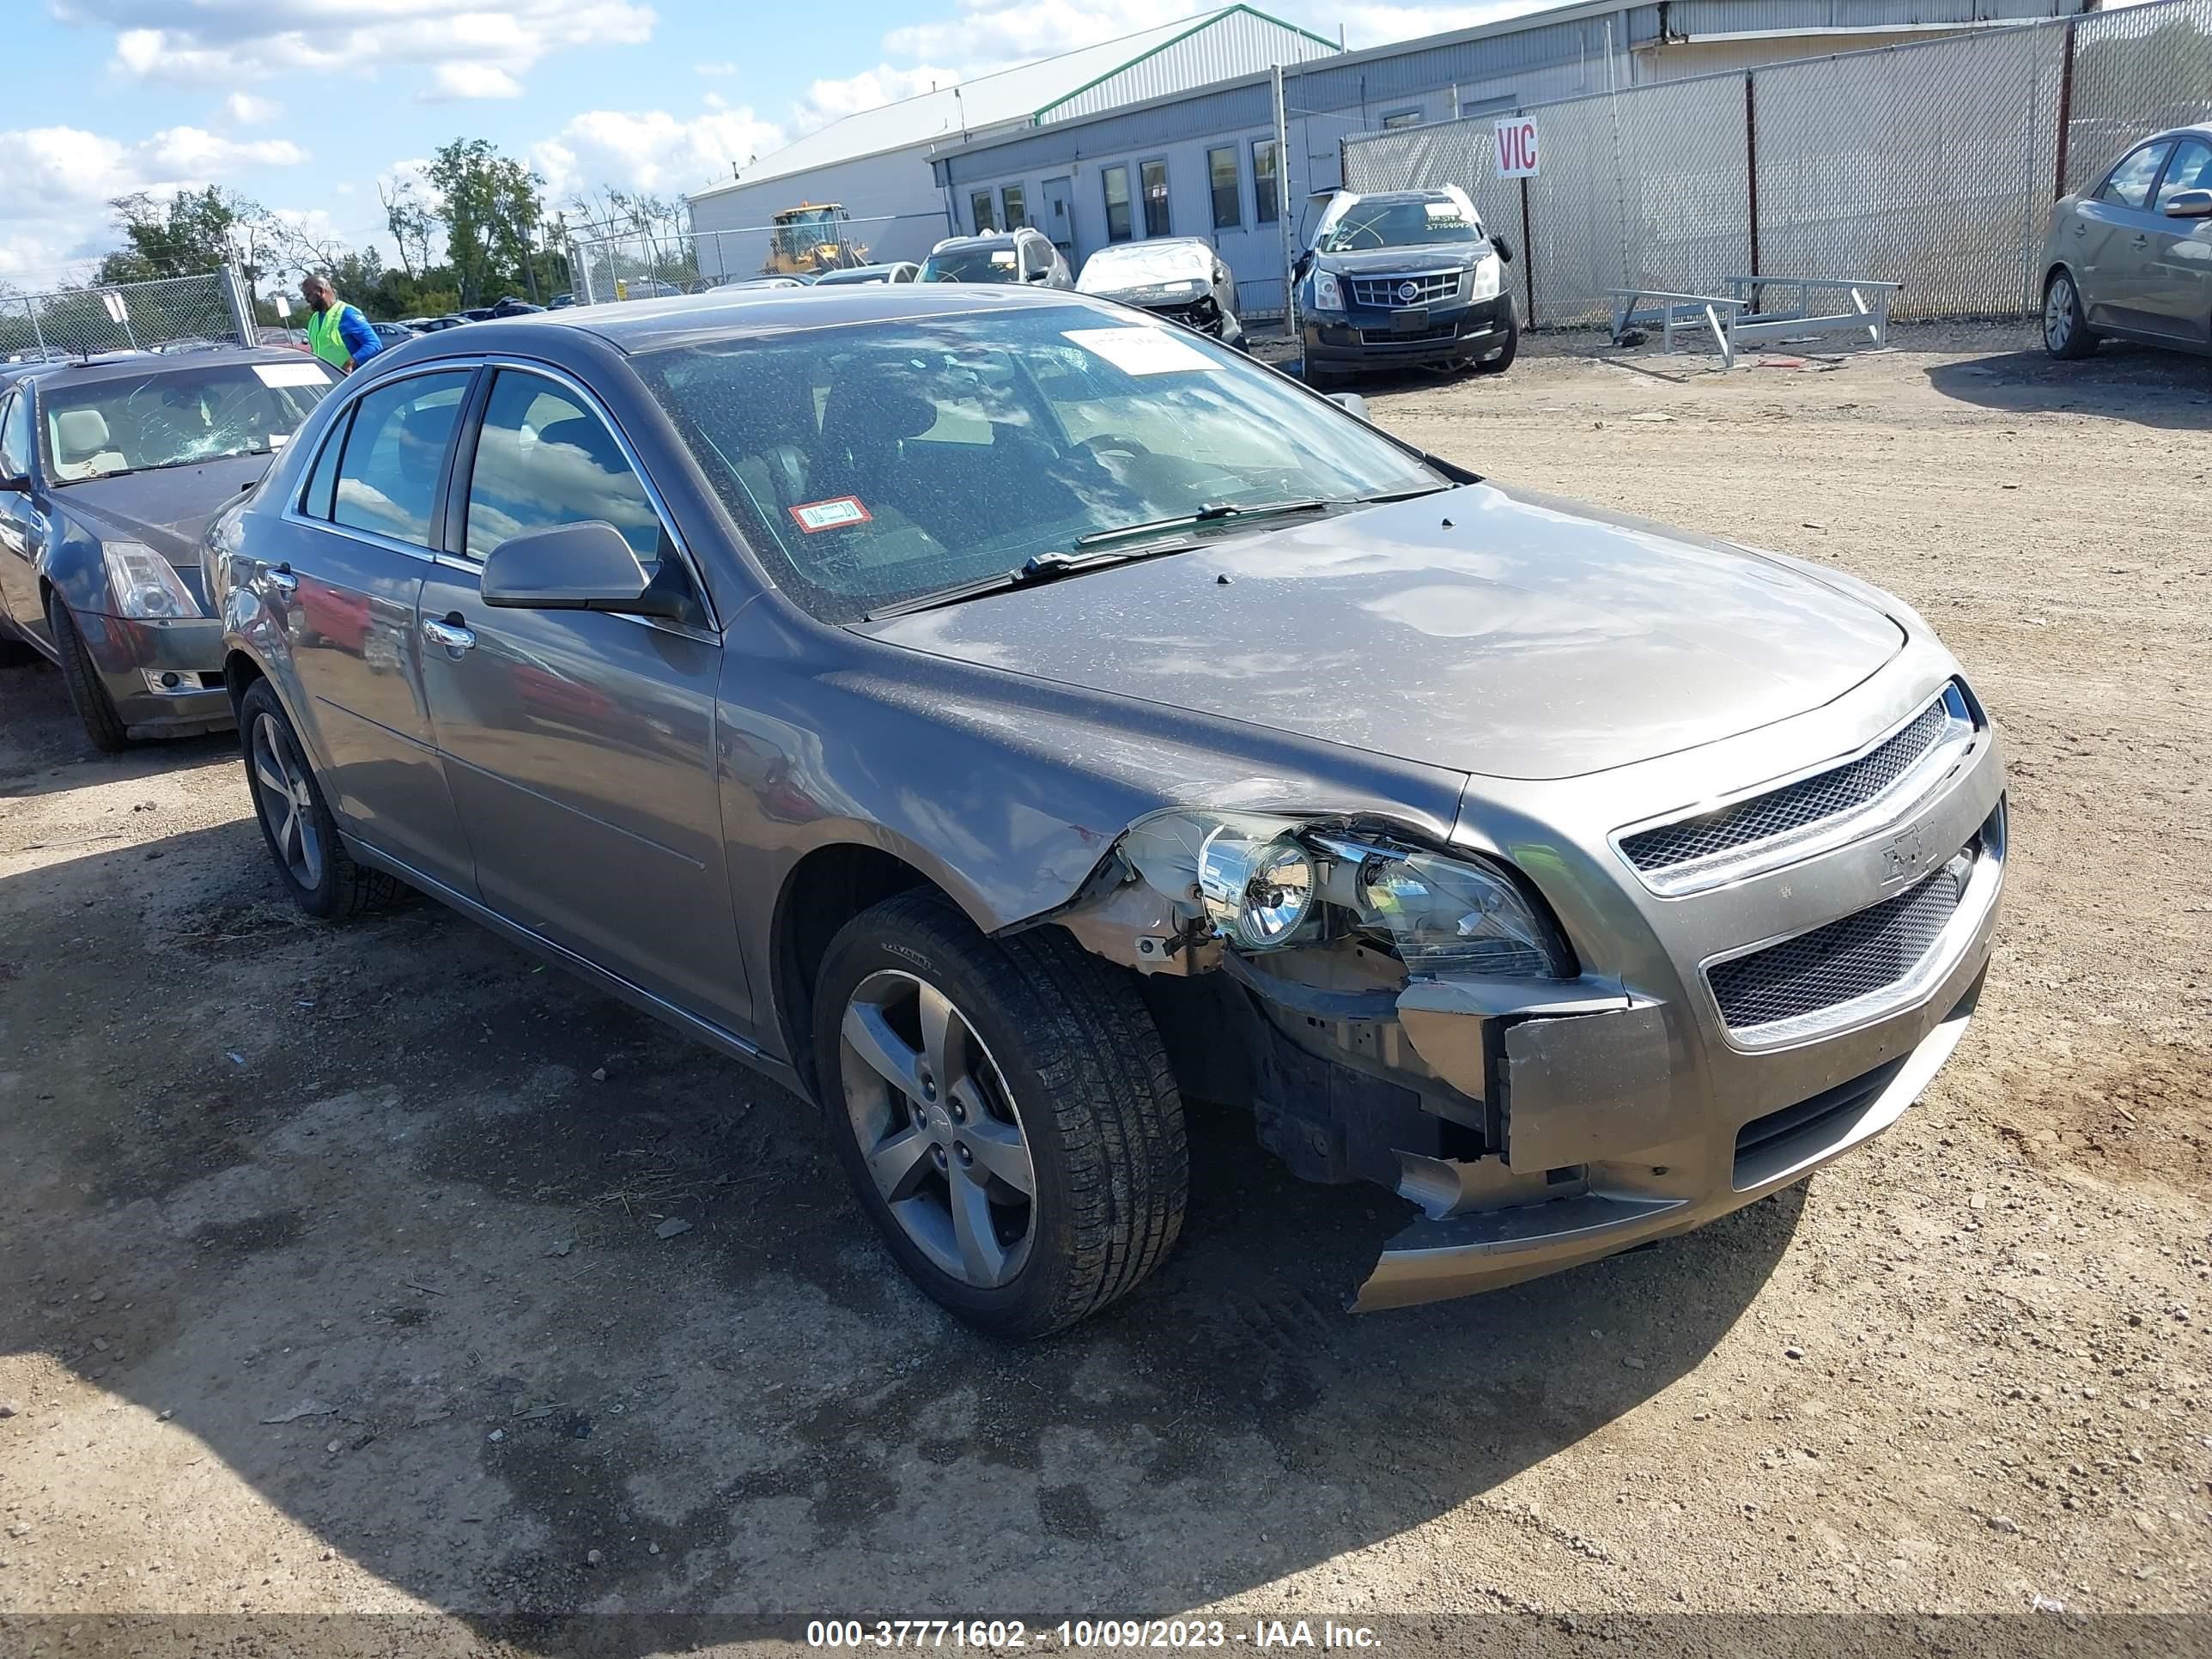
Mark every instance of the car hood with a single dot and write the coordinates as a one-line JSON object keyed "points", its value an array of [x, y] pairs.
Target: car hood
{"points": [[1389, 261], [169, 510], [1145, 268], [1483, 630]]}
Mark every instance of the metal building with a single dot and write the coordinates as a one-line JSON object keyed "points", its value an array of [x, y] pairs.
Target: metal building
{"points": [[1201, 161], [877, 163]]}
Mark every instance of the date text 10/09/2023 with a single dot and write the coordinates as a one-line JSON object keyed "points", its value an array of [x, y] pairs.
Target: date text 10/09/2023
{"points": [[1014, 1635]]}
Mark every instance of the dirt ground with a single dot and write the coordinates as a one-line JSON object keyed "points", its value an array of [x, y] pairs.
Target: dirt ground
{"points": [[331, 1279]]}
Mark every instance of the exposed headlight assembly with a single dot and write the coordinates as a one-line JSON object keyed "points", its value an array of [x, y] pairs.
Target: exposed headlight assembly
{"points": [[1328, 293], [1261, 883], [1489, 276], [145, 585]]}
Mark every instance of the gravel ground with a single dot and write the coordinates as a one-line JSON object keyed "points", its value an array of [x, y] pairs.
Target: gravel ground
{"points": [[333, 1279]]}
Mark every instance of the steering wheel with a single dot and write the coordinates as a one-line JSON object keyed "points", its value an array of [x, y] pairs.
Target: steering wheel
{"points": [[1101, 444]]}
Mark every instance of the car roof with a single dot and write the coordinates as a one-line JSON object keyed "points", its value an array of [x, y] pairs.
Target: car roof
{"points": [[126, 365], [986, 239], [638, 325]]}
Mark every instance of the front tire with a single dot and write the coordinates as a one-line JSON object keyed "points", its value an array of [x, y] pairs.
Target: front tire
{"points": [[2066, 332], [95, 707], [311, 861], [1004, 1110], [1503, 360]]}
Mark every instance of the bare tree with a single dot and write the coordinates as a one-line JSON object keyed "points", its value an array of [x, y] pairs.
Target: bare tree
{"points": [[409, 216]]}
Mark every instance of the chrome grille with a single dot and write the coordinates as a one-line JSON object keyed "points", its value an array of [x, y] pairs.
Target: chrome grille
{"points": [[1382, 292], [1860, 956], [1795, 806]]}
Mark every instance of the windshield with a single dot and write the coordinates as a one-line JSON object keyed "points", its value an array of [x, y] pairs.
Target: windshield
{"points": [[973, 265], [175, 415], [880, 462], [1399, 224]]}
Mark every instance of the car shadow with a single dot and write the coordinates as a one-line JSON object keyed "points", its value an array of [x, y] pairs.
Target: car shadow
{"points": [[46, 741], [532, 1308], [2122, 381]]}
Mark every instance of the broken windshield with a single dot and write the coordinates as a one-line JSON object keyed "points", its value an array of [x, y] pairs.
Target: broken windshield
{"points": [[176, 415], [873, 464]]}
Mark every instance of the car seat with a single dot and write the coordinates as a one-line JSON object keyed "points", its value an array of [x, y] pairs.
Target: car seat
{"points": [[82, 448]]}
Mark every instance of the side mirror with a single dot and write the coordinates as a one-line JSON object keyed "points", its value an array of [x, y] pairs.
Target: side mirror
{"points": [[574, 567], [2190, 204], [1044, 276], [15, 483], [1503, 248], [1303, 263], [1351, 404]]}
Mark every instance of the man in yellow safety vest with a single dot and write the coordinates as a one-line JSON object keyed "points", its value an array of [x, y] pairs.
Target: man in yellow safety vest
{"points": [[337, 332]]}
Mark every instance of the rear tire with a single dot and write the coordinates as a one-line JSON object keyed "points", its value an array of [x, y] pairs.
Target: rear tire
{"points": [[2066, 332], [1054, 1074], [324, 878], [95, 707]]}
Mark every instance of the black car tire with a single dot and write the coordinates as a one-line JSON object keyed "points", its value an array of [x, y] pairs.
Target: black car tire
{"points": [[1502, 359], [95, 707], [338, 886], [1095, 1105], [2066, 332]]}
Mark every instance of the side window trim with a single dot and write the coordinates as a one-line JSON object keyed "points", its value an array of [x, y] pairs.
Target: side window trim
{"points": [[2158, 185], [456, 521], [2150, 191]]}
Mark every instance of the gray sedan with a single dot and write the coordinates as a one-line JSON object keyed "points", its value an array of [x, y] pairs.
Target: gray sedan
{"points": [[2133, 256], [999, 715]]}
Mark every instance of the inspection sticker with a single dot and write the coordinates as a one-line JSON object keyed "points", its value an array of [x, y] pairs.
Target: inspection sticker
{"points": [[1139, 350], [833, 514], [291, 375]]}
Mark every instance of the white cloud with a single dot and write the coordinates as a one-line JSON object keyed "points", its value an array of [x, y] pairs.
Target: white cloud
{"points": [[716, 69], [457, 81], [651, 149], [832, 100], [56, 183], [243, 109], [221, 42]]}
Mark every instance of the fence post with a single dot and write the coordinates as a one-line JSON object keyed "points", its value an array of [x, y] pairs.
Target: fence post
{"points": [[38, 334], [2065, 109], [241, 307], [1751, 170], [1527, 250]]}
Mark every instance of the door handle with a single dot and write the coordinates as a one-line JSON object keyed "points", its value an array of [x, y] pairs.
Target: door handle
{"points": [[282, 580], [450, 632], [2141, 239], [2081, 229]]}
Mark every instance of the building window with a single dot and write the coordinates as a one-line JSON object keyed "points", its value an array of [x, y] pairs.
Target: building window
{"points": [[1117, 203], [1153, 177], [1221, 174], [1009, 198], [1403, 117], [1267, 194], [979, 207]]}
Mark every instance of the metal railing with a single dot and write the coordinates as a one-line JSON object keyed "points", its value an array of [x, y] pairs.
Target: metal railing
{"points": [[167, 314], [1933, 166]]}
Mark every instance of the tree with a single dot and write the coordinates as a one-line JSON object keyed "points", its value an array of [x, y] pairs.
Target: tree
{"points": [[187, 235], [411, 222], [492, 208]]}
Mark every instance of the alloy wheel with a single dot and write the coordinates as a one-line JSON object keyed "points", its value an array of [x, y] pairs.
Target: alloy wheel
{"points": [[938, 1128], [2058, 314], [280, 781]]}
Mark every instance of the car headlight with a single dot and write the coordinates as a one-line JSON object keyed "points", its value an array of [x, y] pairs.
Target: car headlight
{"points": [[1328, 293], [1264, 882], [1489, 276], [145, 585]]}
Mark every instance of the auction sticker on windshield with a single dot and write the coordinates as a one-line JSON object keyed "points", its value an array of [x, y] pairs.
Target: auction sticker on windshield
{"points": [[1139, 350], [290, 375], [833, 514]]}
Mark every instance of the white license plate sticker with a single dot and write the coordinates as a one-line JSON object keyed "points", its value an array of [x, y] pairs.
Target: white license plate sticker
{"points": [[291, 375], [1141, 351], [834, 514]]}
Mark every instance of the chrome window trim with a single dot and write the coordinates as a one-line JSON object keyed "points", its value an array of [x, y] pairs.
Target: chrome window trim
{"points": [[1943, 760], [289, 512]]}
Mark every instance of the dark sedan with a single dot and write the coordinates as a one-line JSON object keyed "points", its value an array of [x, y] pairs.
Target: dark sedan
{"points": [[110, 472], [997, 713]]}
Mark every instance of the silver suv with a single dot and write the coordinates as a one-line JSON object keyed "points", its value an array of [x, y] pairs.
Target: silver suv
{"points": [[2133, 258]]}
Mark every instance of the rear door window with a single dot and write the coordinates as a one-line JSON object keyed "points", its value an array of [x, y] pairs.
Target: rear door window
{"points": [[2129, 184], [387, 479], [2190, 169]]}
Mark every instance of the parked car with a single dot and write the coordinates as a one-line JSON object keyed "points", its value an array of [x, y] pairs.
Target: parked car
{"points": [[513, 307], [1404, 278], [476, 314], [1006, 256], [899, 271], [392, 334], [109, 470], [1082, 714], [561, 301], [1180, 278], [2133, 258], [739, 284], [437, 324]]}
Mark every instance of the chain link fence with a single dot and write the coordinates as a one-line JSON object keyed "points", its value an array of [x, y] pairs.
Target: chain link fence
{"points": [[637, 265], [173, 314], [1933, 164]]}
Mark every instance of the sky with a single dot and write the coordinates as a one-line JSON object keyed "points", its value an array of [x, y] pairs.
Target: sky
{"points": [[305, 106]]}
